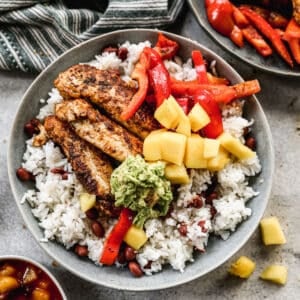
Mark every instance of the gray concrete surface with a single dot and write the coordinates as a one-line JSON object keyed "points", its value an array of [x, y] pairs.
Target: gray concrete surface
{"points": [[280, 97]]}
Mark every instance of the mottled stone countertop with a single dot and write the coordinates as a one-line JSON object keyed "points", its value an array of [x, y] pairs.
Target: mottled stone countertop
{"points": [[280, 98]]}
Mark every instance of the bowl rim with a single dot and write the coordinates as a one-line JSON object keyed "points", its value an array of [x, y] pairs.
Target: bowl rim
{"points": [[37, 264], [185, 279]]}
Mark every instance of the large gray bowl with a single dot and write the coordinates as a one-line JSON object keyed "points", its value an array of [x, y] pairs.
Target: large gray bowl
{"points": [[218, 251]]}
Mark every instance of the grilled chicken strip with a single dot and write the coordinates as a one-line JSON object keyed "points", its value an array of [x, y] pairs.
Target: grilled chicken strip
{"points": [[91, 167], [108, 91], [93, 127]]}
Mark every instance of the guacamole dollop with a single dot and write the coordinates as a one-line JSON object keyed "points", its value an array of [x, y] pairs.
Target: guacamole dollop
{"points": [[142, 187]]}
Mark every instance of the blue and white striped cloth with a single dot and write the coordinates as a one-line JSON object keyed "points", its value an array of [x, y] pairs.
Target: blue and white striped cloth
{"points": [[33, 33]]}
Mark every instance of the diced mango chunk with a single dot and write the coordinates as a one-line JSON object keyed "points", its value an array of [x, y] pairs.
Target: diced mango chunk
{"points": [[177, 174], [234, 146], [272, 233], [176, 106], [87, 201], [211, 148], [194, 152], [151, 145], [198, 117], [167, 115], [173, 147], [275, 273], [135, 237], [184, 126], [219, 162], [243, 267]]}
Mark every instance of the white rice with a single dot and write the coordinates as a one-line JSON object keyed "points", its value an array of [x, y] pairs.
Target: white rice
{"points": [[55, 202]]}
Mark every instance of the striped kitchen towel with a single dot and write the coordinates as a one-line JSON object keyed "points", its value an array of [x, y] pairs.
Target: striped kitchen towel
{"points": [[34, 32]]}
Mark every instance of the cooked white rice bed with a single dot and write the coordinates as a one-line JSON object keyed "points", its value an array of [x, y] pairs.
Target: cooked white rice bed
{"points": [[55, 202]]}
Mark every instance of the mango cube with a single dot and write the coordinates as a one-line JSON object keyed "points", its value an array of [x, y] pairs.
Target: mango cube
{"points": [[211, 148], [198, 117], [173, 147], [87, 201], [167, 115], [176, 106], [218, 162], [184, 126], [272, 233], [194, 152], [234, 146], [135, 237], [151, 145], [275, 273], [243, 267], [177, 174]]}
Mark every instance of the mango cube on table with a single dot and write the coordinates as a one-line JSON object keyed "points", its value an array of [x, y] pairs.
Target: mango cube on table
{"points": [[243, 267], [198, 117], [234, 146], [272, 233], [275, 273], [176, 174]]}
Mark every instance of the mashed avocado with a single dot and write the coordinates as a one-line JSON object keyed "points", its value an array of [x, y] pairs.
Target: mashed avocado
{"points": [[142, 187]]}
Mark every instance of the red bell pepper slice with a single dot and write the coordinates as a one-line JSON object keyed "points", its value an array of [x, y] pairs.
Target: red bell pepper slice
{"points": [[219, 15], [140, 74], [199, 64], [166, 47], [295, 48], [239, 19], [160, 81], [221, 93], [237, 37], [270, 33], [184, 103], [215, 127], [113, 241], [257, 41], [217, 80], [158, 75], [292, 30]]}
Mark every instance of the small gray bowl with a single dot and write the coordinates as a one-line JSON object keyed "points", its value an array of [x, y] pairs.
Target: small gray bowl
{"points": [[38, 265], [218, 251]]}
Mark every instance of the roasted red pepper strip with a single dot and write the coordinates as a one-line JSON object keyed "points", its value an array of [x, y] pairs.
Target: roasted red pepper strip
{"points": [[295, 48], [292, 30], [239, 19], [237, 37], [219, 15], [216, 80], [265, 28], [158, 75], [199, 65], [257, 41], [160, 80], [221, 93], [113, 241], [140, 74], [215, 127], [184, 103], [166, 47]]}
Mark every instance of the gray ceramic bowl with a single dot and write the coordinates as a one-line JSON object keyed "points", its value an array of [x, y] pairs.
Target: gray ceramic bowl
{"points": [[38, 265], [218, 251], [273, 64]]}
